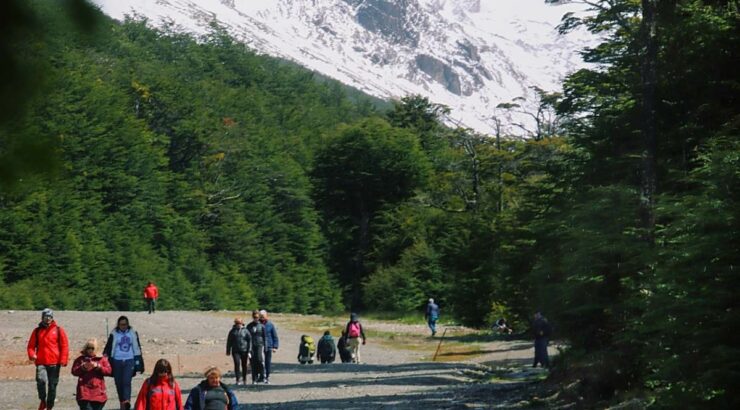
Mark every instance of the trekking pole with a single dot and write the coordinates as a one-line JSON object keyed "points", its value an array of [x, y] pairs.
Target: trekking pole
{"points": [[439, 345], [106, 327]]}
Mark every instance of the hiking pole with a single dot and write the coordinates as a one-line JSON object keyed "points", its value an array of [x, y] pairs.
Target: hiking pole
{"points": [[439, 345]]}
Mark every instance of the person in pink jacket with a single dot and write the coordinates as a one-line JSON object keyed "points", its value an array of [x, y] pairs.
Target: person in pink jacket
{"points": [[90, 369], [48, 348]]}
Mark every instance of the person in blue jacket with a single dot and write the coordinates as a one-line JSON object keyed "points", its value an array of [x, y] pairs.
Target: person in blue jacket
{"points": [[431, 315], [271, 342], [211, 393]]}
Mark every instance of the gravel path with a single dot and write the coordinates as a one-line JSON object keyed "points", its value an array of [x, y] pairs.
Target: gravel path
{"points": [[390, 377]]}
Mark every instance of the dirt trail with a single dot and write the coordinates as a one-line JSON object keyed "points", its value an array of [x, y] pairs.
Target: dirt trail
{"points": [[390, 377]]}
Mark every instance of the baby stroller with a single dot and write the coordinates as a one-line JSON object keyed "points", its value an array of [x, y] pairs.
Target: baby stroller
{"points": [[306, 350]]}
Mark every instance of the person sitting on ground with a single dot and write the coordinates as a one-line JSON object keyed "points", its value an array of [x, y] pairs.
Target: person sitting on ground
{"points": [[327, 350], [502, 327], [90, 369], [344, 354], [211, 393], [306, 350]]}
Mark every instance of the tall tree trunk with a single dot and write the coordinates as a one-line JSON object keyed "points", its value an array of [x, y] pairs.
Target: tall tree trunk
{"points": [[648, 185]]}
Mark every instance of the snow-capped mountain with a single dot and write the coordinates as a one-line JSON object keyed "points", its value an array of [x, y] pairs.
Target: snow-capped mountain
{"points": [[470, 55]]}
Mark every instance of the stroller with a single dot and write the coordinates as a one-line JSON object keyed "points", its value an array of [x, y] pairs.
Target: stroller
{"points": [[306, 350]]}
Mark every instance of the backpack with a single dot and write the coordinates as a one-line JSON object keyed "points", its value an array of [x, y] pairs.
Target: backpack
{"points": [[326, 347], [306, 349], [354, 329]]}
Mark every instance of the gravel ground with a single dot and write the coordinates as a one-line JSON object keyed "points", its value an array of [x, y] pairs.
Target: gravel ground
{"points": [[389, 377]]}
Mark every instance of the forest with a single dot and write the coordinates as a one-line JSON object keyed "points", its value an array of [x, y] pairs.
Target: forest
{"points": [[234, 181]]}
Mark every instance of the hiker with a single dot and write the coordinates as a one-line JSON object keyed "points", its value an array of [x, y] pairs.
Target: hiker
{"points": [[239, 346], [431, 315], [123, 349], [542, 330], [271, 342], [502, 327], [327, 350], [48, 348], [151, 293], [160, 391], [306, 349], [211, 393], [355, 332], [90, 369], [344, 354], [257, 332]]}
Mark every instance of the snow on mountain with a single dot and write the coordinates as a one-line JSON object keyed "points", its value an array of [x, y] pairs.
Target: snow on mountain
{"points": [[470, 55]]}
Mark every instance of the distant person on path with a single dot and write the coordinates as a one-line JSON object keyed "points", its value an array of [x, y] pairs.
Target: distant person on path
{"points": [[258, 334], [343, 346], [432, 315], [121, 349], [355, 332], [502, 327], [90, 370], [306, 349], [151, 293], [160, 391], [542, 330], [48, 348], [326, 352], [271, 342], [239, 346], [211, 394]]}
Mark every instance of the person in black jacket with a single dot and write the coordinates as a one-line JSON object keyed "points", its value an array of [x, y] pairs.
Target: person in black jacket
{"points": [[542, 330], [344, 354], [211, 393], [258, 334], [239, 346], [326, 351]]}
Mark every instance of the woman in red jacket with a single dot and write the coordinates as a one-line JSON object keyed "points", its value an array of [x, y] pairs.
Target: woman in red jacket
{"points": [[90, 369], [160, 391]]}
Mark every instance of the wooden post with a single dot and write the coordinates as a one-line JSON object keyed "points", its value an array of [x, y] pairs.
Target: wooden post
{"points": [[439, 345]]}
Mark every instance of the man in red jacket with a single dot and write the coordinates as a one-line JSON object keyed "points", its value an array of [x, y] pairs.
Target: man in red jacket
{"points": [[48, 348], [151, 293]]}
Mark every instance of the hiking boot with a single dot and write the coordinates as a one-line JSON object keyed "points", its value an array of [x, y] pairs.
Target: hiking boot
{"points": [[42, 405], [267, 381]]}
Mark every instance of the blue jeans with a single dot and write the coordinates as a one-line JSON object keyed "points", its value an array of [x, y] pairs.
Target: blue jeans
{"points": [[123, 372], [540, 352], [432, 322]]}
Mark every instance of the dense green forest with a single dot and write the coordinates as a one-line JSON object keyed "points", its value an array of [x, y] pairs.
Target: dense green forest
{"points": [[234, 180]]}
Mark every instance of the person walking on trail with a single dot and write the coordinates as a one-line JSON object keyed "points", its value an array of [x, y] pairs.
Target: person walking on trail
{"points": [[211, 393], [343, 346], [271, 342], [151, 293], [355, 337], [239, 346], [48, 348], [258, 334], [90, 370], [542, 330], [326, 351], [432, 315], [160, 391], [122, 349]]}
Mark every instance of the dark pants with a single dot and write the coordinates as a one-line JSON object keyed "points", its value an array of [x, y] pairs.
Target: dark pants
{"points": [[90, 405], [151, 305], [432, 323], [540, 352], [47, 376], [123, 372], [258, 364], [240, 365], [268, 362]]}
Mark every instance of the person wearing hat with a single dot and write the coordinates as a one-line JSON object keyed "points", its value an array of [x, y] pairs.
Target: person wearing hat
{"points": [[239, 346], [211, 393], [48, 348], [355, 332], [90, 369], [431, 315]]}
